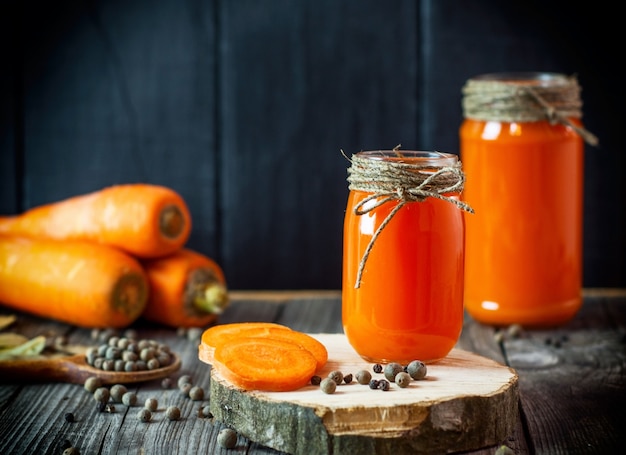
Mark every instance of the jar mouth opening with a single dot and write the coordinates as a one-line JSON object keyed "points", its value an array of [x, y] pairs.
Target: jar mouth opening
{"points": [[411, 156], [524, 77]]}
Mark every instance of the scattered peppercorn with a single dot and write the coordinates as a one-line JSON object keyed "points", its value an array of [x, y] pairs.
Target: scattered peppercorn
{"points": [[151, 404], [391, 370], [417, 369], [184, 379], [185, 388], [102, 394], [373, 384], [363, 377], [71, 451], [69, 417], [514, 330], [166, 383], [227, 438], [328, 386], [92, 383], [144, 415], [498, 337], [110, 408], [205, 411], [347, 378], [117, 392], [315, 380], [336, 376], [196, 393], [129, 398], [403, 379], [172, 413], [383, 384], [378, 368]]}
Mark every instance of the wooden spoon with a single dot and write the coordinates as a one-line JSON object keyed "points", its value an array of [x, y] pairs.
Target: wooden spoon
{"points": [[74, 369]]}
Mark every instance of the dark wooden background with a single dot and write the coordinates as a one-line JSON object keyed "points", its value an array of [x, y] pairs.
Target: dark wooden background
{"points": [[242, 106]]}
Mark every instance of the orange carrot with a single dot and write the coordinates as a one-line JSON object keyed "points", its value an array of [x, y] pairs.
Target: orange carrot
{"points": [[77, 282], [187, 289], [144, 220], [259, 363], [218, 335]]}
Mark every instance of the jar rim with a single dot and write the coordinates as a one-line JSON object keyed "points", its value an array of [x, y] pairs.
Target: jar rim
{"points": [[411, 156], [517, 77]]}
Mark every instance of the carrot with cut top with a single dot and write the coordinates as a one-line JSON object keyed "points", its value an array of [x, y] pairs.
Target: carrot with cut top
{"points": [[261, 363], [142, 219], [187, 289], [77, 282]]}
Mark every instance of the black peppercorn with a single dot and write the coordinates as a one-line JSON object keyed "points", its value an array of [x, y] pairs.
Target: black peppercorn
{"points": [[69, 417], [378, 368]]}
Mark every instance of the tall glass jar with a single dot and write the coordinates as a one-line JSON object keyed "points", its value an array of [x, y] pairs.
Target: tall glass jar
{"points": [[402, 290], [521, 142]]}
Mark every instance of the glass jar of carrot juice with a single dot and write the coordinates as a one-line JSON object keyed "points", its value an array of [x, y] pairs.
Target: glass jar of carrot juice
{"points": [[522, 147], [403, 255]]}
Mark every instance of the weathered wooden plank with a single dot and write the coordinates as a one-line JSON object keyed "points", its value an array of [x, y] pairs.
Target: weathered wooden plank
{"points": [[574, 406], [572, 380]]}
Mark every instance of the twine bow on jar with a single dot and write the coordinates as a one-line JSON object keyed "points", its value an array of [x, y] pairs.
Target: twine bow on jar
{"points": [[551, 97], [403, 181]]}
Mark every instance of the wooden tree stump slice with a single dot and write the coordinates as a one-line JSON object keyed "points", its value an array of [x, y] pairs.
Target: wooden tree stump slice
{"points": [[466, 402]]}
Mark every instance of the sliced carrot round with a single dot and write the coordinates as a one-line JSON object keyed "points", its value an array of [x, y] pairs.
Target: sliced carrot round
{"points": [[261, 363], [302, 339], [221, 333]]}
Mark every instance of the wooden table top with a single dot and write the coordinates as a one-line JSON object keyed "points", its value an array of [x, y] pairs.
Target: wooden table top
{"points": [[572, 383]]}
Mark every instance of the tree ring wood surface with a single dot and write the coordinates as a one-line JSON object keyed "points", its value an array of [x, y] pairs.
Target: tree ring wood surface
{"points": [[465, 402]]}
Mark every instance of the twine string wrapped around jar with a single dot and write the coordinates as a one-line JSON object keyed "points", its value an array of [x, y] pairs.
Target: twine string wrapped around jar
{"points": [[556, 100], [401, 181]]}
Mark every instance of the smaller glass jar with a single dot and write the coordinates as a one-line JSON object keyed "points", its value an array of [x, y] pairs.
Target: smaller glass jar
{"points": [[403, 255]]}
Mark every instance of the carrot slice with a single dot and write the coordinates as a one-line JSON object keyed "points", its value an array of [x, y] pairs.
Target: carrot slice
{"points": [[260, 363], [213, 336], [300, 338]]}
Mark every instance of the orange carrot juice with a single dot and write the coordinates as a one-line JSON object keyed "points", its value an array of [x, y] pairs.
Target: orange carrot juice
{"points": [[525, 182], [409, 301], [524, 243]]}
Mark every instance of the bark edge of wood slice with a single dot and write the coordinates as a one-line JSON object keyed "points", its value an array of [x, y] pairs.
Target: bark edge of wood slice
{"points": [[466, 402]]}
